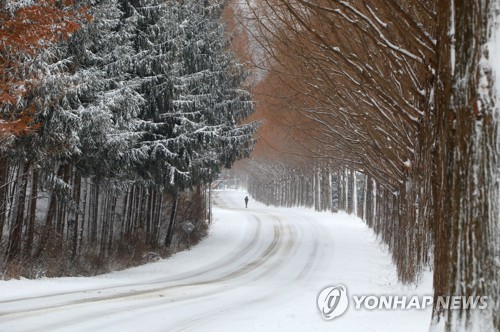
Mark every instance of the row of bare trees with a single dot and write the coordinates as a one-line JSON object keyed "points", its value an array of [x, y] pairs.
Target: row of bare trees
{"points": [[324, 187], [321, 187], [394, 90]]}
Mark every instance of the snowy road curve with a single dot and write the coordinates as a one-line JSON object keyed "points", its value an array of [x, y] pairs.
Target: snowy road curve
{"points": [[260, 269]]}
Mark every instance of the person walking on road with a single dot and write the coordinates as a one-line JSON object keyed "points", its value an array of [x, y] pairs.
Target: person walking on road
{"points": [[246, 202]]}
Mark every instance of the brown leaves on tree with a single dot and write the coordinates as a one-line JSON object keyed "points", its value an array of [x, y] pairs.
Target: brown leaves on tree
{"points": [[23, 34]]}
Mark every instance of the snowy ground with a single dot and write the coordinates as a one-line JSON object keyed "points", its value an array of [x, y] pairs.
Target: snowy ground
{"points": [[260, 269]]}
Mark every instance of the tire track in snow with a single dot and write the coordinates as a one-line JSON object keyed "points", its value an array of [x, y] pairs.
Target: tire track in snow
{"points": [[182, 276], [271, 249], [279, 245]]}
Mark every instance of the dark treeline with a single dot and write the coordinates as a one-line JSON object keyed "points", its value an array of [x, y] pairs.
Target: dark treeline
{"points": [[132, 116]]}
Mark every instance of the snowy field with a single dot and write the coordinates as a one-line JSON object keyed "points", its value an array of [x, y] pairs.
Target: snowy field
{"points": [[260, 269]]}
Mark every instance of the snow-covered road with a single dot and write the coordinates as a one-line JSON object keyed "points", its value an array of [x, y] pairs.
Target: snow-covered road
{"points": [[260, 269]]}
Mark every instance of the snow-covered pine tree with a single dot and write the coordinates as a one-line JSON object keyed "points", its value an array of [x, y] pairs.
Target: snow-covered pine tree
{"points": [[105, 97], [208, 91], [192, 88]]}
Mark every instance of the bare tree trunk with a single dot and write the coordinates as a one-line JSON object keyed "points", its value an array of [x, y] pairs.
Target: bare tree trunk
{"points": [[30, 227], [94, 222], [48, 225], [4, 169], [149, 214], [317, 188], [210, 204], [61, 206], [130, 212], [15, 236], [170, 230], [84, 216], [104, 220], [466, 188], [111, 225], [76, 220], [350, 196], [123, 224], [137, 211], [369, 202], [341, 190], [13, 182]]}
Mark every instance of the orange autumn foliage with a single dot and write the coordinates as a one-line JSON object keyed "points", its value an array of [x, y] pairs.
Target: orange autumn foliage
{"points": [[23, 34]]}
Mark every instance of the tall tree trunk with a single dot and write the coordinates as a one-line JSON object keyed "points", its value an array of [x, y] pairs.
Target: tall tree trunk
{"points": [[170, 230], [137, 211], [94, 222], [158, 215], [466, 190], [123, 224], [210, 203], [4, 169], [150, 215], [48, 226], [30, 227], [76, 219], [351, 195], [16, 231], [111, 226], [104, 219], [61, 206], [84, 216], [343, 192], [12, 196]]}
